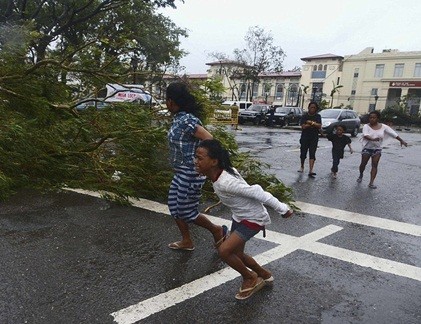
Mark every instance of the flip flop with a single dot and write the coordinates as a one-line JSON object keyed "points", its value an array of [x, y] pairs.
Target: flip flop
{"points": [[269, 280], [250, 291], [176, 246], [223, 238]]}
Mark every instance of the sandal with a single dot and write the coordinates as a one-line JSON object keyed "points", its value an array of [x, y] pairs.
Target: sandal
{"points": [[248, 292]]}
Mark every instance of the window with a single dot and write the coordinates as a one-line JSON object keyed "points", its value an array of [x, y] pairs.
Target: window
{"points": [[255, 89], [320, 67], [378, 73], [374, 91], [352, 92], [417, 70], [398, 70], [315, 68], [325, 67], [279, 91], [243, 91], [356, 75]]}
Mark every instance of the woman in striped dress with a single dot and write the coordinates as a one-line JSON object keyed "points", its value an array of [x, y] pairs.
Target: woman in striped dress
{"points": [[184, 136]]}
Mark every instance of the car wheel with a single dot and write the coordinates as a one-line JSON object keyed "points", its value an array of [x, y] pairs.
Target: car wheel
{"points": [[286, 122], [256, 121], [355, 131]]}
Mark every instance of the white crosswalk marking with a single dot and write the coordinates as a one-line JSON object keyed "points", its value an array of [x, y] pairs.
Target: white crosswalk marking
{"points": [[287, 245]]}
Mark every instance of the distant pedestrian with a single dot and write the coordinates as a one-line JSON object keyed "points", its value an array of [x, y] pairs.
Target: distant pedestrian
{"points": [[372, 141], [311, 123], [339, 141], [185, 190], [249, 216]]}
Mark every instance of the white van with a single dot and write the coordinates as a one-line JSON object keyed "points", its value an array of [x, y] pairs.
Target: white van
{"points": [[241, 104]]}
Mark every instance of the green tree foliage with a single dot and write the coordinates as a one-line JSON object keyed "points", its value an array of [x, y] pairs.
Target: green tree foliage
{"points": [[55, 53], [52, 54]]}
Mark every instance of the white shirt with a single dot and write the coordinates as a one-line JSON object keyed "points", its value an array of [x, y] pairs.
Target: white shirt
{"points": [[245, 201], [380, 133]]}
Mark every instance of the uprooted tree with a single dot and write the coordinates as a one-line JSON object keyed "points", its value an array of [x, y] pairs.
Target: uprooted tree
{"points": [[55, 53]]}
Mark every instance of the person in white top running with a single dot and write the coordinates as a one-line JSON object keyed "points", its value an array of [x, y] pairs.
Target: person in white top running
{"points": [[249, 215], [372, 142]]}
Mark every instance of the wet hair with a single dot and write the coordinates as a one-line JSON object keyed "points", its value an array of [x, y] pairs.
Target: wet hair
{"points": [[216, 151], [180, 93], [375, 112], [314, 103]]}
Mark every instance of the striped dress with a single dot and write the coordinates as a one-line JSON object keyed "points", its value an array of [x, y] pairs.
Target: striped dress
{"points": [[185, 189]]}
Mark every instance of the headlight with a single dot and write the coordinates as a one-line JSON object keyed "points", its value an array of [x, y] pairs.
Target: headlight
{"points": [[326, 124]]}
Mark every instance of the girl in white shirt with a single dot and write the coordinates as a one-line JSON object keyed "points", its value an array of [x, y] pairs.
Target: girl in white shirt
{"points": [[249, 215], [372, 141]]}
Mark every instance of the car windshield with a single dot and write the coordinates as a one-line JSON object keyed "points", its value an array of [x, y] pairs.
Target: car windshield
{"points": [[328, 113], [283, 110], [255, 108]]}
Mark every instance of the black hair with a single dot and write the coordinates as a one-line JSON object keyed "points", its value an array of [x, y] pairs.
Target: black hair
{"points": [[314, 103], [341, 126], [180, 93], [216, 151], [375, 112]]}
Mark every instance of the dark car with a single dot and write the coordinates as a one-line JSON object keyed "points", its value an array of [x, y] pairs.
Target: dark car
{"points": [[256, 114], [348, 118], [284, 116]]}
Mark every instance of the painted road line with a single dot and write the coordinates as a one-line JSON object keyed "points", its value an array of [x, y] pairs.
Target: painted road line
{"points": [[318, 210], [365, 260], [289, 243], [170, 298], [310, 244], [362, 219]]}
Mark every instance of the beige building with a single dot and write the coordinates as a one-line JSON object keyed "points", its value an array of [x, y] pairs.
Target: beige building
{"points": [[369, 80], [362, 82]]}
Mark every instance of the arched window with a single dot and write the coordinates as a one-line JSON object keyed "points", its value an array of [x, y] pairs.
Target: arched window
{"points": [[315, 68], [325, 67], [320, 67]]}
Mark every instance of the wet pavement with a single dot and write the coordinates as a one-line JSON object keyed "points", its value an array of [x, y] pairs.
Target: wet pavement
{"points": [[68, 257]]}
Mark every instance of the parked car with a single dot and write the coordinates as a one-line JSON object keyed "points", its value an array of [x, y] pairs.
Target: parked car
{"points": [[284, 116], [332, 117], [256, 114], [98, 103]]}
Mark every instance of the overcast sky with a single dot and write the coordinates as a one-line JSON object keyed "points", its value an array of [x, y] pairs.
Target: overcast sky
{"points": [[300, 28]]}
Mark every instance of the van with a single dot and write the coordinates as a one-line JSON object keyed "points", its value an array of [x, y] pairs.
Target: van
{"points": [[241, 104]]}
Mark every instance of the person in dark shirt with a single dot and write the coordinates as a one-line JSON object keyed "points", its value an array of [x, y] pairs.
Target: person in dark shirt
{"points": [[311, 123], [339, 141]]}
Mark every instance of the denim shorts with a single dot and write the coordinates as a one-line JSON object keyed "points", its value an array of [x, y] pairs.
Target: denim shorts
{"points": [[243, 231], [372, 152]]}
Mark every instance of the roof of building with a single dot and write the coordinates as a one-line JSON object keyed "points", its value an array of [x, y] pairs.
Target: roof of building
{"points": [[321, 57], [280, 74], [197, 76]]}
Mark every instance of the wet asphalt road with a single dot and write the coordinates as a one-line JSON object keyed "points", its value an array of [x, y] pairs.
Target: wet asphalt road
{"points": [[73, 258]]}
